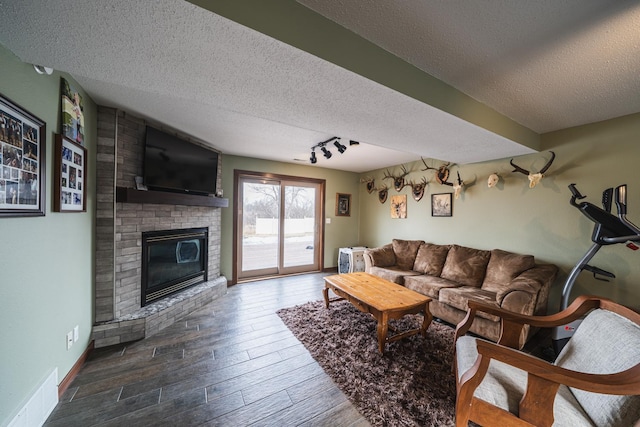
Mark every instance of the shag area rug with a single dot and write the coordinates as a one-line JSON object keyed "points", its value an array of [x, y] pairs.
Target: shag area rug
{"points": [[410, 385]]}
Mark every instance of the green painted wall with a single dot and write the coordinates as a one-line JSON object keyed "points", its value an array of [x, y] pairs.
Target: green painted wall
{"points": [[342, 232], [537, 221], [46, 263]]}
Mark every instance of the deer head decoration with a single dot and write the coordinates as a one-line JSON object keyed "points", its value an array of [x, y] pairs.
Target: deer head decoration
{"points": [[370, 183], [534, 178], [398, 181], [382, 194], [417, 190], [442, 173]]}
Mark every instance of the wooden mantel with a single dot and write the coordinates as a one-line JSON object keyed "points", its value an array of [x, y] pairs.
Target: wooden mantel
{"points": [[131, 195]]}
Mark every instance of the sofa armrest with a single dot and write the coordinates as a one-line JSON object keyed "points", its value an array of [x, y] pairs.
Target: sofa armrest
{"points": [[512, 323], [382, 256], [533, 281]]}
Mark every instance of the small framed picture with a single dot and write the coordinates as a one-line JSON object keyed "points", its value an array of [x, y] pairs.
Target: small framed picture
{"points": [[399, 206], [72, 113], [70, 173], [343, 204], [22, 161], [441, 204]]}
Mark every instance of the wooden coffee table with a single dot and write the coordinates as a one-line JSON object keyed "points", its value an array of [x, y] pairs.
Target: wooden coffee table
{"points": [[383, 299]]}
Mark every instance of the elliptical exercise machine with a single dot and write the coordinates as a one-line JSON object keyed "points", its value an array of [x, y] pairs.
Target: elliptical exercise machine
{"points": [[608, 230]]}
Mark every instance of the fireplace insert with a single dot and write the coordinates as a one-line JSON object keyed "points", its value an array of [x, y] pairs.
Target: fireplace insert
{"points": [[172, 260]]}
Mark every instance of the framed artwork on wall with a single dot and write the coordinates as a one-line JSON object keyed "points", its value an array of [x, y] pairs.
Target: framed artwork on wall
{"points": [[22, 161], [70, 176], [399, 206], [72, 113], [441, 204], [343, 204]]}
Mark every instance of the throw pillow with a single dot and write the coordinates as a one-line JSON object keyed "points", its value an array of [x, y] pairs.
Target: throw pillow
{"points": [[430, 259], [405, 251], [504, 267], [466, 266]]}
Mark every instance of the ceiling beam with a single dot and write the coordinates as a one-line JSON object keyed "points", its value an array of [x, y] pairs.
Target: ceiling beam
{"points": [[298, 26]]}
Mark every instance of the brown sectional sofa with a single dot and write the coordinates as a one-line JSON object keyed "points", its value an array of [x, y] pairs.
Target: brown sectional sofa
{"points": [[451, 275]]}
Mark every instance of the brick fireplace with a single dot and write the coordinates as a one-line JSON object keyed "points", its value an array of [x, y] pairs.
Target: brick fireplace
{"points": [[119, 313]]}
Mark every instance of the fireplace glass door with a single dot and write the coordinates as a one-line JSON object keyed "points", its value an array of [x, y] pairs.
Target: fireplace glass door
{"points": [[280, 221], [172, 260]]}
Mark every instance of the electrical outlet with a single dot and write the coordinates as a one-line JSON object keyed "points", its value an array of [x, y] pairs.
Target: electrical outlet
{"points": [[69, 339], [76, 333]]}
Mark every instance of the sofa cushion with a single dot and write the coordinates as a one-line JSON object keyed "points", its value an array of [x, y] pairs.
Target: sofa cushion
{"points": [[382, 256], [458, 298], [392, 274], [430, 259], [428, 285], [466, 266], [503, 267], [604, 343], [405, 251]]}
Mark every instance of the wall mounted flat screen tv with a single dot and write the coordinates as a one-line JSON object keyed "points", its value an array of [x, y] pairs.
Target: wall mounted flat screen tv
{"points": [[174, 164]]}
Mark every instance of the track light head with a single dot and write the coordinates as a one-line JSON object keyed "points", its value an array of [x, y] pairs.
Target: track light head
{"points": [[351, 142], [327, 153], [43, 70], [313, 158], [341, 148]]}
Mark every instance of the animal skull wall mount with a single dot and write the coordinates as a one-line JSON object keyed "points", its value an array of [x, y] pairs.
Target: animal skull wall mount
{"points": [[442, 173], [457, 187], [398, 181], [534, 178], [382, 194], [417, 190], [370, 183], [493, 180]]}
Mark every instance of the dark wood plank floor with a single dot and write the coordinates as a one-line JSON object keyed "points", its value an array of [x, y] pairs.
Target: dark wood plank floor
{"points": [[232, 363]]}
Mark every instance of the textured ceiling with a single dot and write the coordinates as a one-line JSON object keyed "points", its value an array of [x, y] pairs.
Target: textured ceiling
{"points": [[249, 94], [547, 64]]}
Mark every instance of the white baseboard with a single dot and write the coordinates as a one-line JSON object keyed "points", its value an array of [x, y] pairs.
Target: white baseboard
{"points": [[40, 405]]}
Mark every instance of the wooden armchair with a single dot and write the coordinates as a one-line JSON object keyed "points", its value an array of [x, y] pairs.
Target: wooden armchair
{"points": [[595, 380]]}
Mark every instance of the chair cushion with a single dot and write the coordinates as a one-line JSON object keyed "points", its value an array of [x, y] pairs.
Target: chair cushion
{"points": [[430, 259], [604, 343], [392, 274], [405, 251], [466, 266], [428, 285], [504, 386], [503, 267]]}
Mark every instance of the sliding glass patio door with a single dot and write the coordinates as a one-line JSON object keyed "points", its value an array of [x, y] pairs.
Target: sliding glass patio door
{"points": [[279, 225]]}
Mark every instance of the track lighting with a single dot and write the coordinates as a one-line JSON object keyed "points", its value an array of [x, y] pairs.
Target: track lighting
{"points": [[325, 151], [43, 70]]}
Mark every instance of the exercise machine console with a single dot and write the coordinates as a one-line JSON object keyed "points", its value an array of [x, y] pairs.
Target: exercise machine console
{"points": [[609, 229]]}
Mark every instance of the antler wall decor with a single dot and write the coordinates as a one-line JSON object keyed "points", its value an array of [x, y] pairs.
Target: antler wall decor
{"points": [[382, 194], [370, 183], [398, 181], [417, 190], [457, 187], [442, 173], [534, 178]]}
